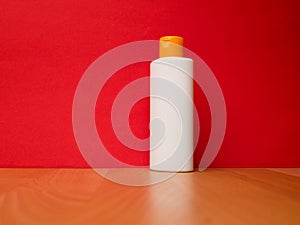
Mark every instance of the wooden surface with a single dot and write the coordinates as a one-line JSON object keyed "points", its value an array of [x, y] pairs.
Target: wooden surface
{"points": [[215, 196]]}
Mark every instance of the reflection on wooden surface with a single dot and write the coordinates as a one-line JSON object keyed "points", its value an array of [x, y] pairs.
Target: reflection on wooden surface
{"points": [[216, 196]]}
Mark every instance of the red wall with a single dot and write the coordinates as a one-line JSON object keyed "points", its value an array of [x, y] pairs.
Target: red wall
{"points": [[251, 46]]}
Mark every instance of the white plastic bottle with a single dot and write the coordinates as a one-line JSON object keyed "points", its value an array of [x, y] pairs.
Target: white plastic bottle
{"points": [[171, 108]]}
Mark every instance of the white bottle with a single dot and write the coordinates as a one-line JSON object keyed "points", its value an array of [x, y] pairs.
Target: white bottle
{"points": [[171, 108]]}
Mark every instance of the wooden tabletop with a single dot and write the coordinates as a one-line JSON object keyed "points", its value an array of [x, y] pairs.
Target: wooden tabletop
{"points": [[215, 196]]}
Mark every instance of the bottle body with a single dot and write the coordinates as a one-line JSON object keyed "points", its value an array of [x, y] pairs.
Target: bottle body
{"points": [[171, 114]]}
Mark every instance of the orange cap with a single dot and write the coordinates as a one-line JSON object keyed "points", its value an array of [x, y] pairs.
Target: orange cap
{"points": [[171, 46]]}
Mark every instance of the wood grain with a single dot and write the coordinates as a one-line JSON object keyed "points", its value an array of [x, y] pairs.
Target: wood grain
{"points": [[215, 196]]}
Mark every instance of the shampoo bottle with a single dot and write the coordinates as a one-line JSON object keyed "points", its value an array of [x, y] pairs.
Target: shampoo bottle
{"points": [[171, 108]]}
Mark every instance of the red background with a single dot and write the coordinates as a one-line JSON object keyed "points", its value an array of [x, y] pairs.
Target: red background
{"points": [[251, 46]]}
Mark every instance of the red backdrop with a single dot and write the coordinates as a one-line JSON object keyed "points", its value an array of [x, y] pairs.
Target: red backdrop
{"points": [[251, 46]]}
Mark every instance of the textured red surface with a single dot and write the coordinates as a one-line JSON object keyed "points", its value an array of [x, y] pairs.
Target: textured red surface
{"points": [[251, 46]]}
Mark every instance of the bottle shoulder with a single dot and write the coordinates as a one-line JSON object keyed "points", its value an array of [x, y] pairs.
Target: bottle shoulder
{"points": [[172, 59]]}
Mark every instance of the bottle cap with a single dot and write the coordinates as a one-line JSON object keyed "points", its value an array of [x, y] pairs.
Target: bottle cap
{"points": [[171, 46]]}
